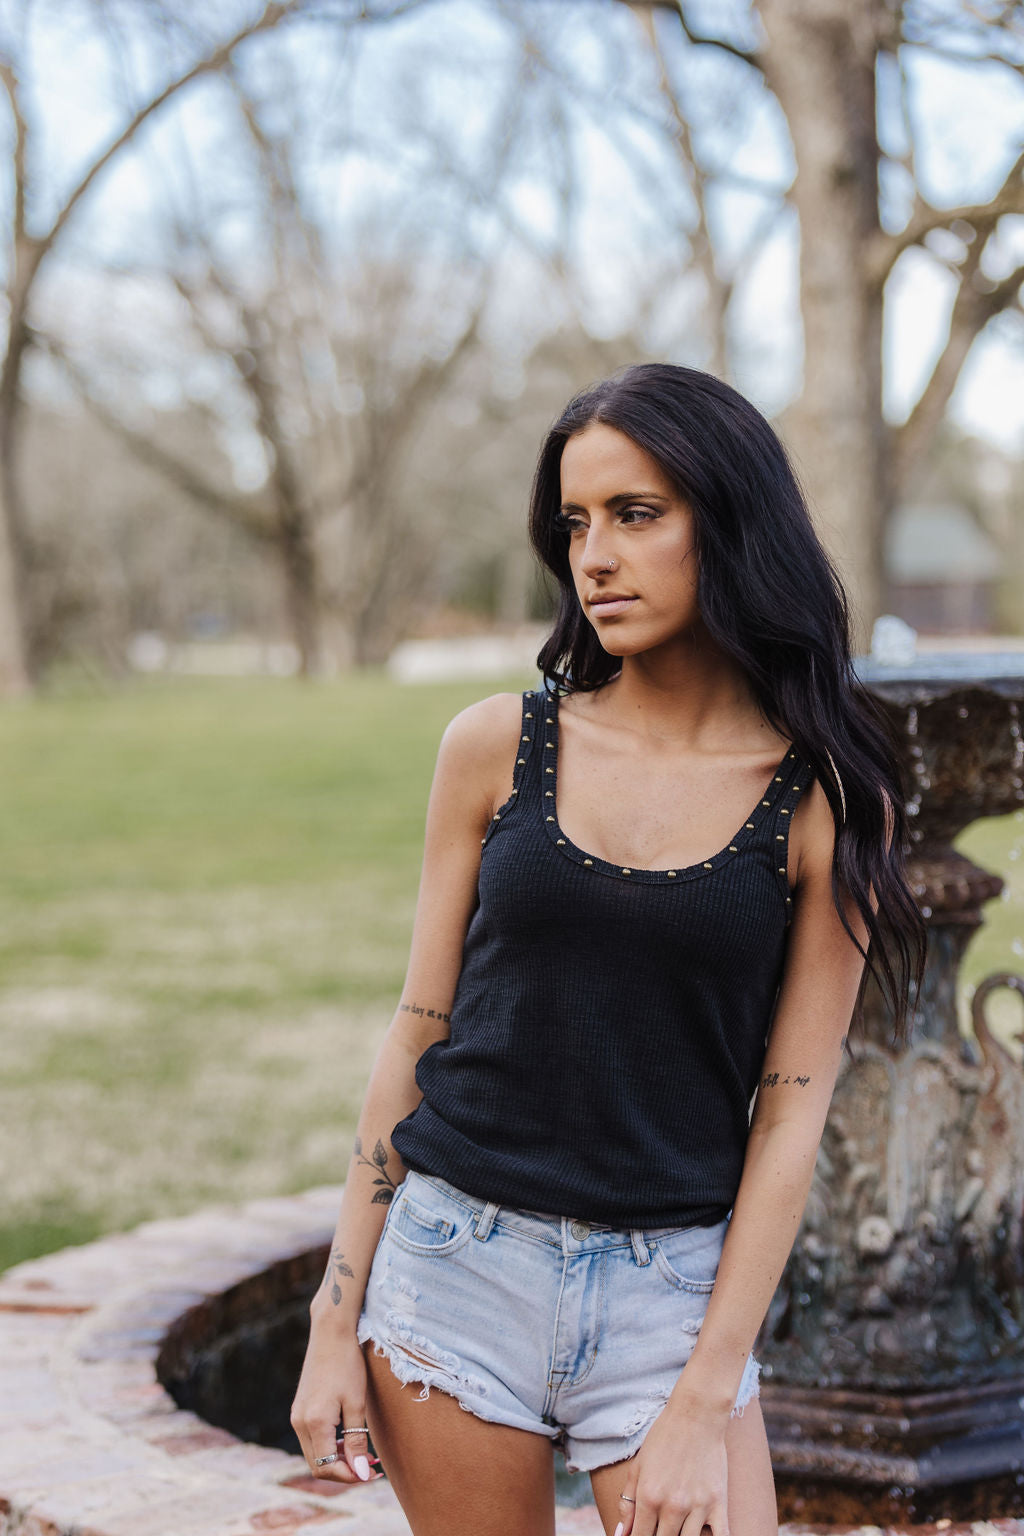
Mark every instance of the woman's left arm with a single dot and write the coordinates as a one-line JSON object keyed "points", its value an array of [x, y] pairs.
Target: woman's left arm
{"points": [[819, 987], [681, 1464]]}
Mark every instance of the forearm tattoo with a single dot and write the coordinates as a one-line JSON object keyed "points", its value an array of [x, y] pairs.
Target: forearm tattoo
{"points": [[775, 1079], [336, 1267], [386, 1191], [425, 1013]]}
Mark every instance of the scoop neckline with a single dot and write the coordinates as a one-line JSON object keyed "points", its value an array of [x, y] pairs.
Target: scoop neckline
{"points": [[564, 845]]}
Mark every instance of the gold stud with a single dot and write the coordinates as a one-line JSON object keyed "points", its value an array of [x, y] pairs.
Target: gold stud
{"points": [[549, 794], [561, 842], [789, 898], [766, 802], [707, 866], [529, 715], [549, 770], [778, 778], [549, 818], [672, 873], [549, 743], [495, 818], [627, 871], [520, 761], [515, 791], [588, 862], [783, 812], [750, 824], [782, 869], [482, 841], [733, 848], [780, 837], [792, 754], [524, 738]]}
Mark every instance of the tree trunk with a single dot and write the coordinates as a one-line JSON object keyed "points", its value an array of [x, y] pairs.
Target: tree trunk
{"points": [[15, 678], [302, 597], [819, 60]]}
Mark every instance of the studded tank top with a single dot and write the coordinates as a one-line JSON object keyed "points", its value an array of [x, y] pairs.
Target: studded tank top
{"points": [[609, 1023]]}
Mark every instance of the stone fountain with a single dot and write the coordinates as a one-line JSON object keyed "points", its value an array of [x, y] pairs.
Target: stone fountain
{"points": [[893, 1351]]}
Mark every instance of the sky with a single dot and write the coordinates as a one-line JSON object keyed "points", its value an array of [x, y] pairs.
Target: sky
{"points": [[450, 67]]}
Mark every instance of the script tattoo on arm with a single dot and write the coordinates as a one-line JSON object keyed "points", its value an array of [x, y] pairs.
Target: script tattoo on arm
{"points": [[425, 1013], [774, 1079], [336, 1267], [386, 1191]]}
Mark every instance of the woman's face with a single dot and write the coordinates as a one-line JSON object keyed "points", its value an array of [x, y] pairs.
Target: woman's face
{"points": [[619, 507]]}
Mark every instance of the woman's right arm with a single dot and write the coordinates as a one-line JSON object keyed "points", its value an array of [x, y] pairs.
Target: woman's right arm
{"points": [[471, 779]]}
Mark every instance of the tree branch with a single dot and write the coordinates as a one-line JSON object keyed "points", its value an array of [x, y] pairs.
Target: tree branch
{"points": [[883, 252], [248, 512], [274, 13], [697, 39], [9, 80], [976, 303]]}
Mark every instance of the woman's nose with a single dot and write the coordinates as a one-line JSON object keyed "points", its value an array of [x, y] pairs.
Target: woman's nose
{"points": [[597, 553]]}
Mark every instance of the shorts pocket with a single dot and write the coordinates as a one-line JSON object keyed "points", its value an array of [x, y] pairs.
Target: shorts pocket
{"points": [[428, 1222], [689, 1259]]}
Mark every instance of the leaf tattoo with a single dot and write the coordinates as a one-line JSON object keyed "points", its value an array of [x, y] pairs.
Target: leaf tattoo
{"points": [[386, 1190], [337, 1264]]}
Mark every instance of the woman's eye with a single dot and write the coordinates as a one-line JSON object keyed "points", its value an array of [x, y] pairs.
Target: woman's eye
{"points": [[642, 512], [566, 524]]}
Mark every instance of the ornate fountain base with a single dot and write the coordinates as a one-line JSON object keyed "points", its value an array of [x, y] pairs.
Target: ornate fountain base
{"points": [[846, 1456]]}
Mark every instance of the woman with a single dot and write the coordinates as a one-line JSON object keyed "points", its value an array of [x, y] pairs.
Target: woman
{"points": [[648, 893]]}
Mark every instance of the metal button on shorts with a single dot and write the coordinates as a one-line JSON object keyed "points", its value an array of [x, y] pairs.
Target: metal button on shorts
{"points": [[580, 1229]]}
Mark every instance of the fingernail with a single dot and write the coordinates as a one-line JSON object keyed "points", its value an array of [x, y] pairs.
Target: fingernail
{"points": [[618, 1529], [362, 1468]]}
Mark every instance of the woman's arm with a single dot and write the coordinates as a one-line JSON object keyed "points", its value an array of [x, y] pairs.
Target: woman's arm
{"points": [[682, 1462], [819, 988], [472, 777]]}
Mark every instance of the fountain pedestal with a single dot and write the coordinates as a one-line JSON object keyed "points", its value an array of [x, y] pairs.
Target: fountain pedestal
{"points": [[894, 1347]]}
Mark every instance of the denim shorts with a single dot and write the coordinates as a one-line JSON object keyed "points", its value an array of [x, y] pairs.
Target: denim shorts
{"points": [[569, 1328]]}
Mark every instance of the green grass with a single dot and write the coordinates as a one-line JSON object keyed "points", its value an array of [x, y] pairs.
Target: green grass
{"points": [[205, 916], [207, 897]]}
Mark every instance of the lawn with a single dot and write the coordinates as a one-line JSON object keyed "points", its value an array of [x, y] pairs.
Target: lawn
{"points": [[206, 906]]}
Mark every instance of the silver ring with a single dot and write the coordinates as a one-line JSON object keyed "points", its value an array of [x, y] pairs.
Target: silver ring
{"points": [[325, 1461], [627, 1498], [361, 1431]]}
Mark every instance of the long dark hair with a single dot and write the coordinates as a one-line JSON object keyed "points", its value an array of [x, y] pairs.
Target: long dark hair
{"points": [[770, 597]]}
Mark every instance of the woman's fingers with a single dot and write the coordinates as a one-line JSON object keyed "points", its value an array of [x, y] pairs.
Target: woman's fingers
{"points": [[356, 1443], [626, 1508]]}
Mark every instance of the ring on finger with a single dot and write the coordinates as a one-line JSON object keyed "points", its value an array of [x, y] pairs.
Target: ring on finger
{"points": [[325, 1461], [627, 1498]]}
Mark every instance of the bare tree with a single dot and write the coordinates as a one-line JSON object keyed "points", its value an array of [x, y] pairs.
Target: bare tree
{"points": [[29, 249], [820, 59], [334, 351]]}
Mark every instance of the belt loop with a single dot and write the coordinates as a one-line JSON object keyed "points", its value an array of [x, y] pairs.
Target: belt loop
{"points": [[641, 1252], [485, 1220]]}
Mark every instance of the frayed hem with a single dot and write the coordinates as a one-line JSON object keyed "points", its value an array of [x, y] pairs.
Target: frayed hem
{"points": [[753, 1389], [407, 1370]]}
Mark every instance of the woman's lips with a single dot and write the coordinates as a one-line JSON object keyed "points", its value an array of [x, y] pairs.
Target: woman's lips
{"points": [[617, 605]]}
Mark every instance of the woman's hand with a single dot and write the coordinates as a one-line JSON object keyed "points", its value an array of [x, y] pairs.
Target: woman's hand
{"points": [[677, 1477], [332, 1391]]}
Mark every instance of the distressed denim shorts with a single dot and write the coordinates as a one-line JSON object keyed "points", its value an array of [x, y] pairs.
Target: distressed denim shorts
{"points": [[566, 1327]]}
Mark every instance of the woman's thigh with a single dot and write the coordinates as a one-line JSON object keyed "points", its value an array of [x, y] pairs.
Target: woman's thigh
{"points": [[453, 1473], [753, 1510]]}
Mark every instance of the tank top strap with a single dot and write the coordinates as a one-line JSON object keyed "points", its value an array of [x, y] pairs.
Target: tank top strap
{"points": [[796, 775], [530, 727]]}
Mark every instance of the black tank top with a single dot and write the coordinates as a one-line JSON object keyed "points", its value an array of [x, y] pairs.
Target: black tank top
{"points": [[609, 1023]]}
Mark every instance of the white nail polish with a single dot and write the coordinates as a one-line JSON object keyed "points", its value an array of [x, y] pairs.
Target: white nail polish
{"points": [[618, 1529], [362, 1468]]}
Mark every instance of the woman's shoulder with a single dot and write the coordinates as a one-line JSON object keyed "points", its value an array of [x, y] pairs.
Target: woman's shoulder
{"points": [[481, 740]]}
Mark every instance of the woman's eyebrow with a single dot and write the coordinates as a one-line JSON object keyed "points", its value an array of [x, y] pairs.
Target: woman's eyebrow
{"points": [[614, 501]]}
